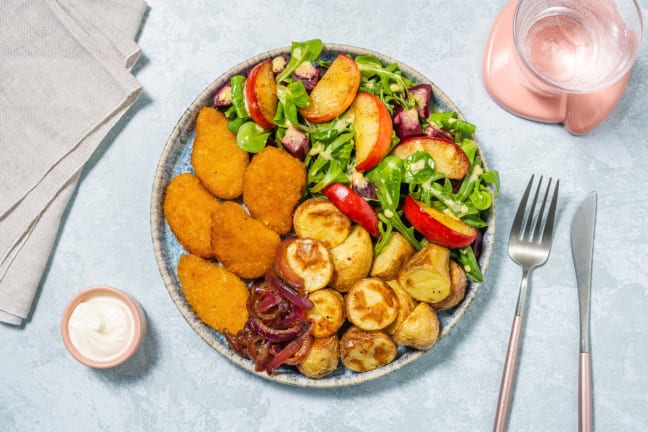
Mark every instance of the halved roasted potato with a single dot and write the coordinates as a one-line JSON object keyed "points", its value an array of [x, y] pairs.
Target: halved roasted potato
{"points": [[458, 285], [318, 218], [327, 313], [352, 259], [389, 261], [362, 351], [420, 329], [406, 305], [426, 276], [322, 359], [310, 260], [371, 304]]}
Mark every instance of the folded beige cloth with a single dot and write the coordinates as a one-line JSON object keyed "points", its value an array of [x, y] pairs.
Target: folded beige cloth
{"points": [[65, 83]]}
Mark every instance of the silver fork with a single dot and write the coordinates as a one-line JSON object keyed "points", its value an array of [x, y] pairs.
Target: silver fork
{"points": [[529, 245]]}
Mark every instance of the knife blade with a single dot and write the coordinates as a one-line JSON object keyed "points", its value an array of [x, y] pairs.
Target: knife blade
{"points": [[582, 247]]}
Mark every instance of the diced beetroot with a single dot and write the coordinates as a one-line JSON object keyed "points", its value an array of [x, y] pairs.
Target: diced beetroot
{"points": [[279, 63], [308, 74], [406, 122], [362, 186], [223, 97], [422, 94], [435, 132], [295, 142]]}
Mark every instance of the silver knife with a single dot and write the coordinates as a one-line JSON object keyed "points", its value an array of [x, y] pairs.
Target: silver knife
{"points": [[582, 247]]}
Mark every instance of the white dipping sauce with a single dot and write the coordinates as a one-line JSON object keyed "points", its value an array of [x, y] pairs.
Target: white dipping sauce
{"points": [[101, 327]]}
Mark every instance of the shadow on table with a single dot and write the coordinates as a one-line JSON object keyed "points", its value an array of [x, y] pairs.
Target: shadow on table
{"points": [[138, 366]]}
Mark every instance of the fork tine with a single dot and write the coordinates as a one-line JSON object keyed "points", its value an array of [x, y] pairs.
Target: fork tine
{"points": [[519, 215], [528, 228], [541, 214], [547, 234]]}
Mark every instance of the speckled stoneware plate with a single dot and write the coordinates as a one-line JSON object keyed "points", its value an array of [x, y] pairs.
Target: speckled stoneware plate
{"points": [[176, 159]]}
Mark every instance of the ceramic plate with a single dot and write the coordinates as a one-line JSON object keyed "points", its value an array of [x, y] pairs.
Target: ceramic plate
{"points": [[176, 159]]}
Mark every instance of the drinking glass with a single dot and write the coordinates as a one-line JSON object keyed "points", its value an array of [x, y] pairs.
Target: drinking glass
{"points": [[563, 61]]}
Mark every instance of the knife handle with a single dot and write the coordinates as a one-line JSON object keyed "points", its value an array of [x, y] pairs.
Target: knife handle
{"points": [[584, 393], [508, 375]]}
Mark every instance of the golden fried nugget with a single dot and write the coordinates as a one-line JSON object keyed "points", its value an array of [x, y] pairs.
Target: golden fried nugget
{"points": [[218, 161], [243, 244], [216, 295], [187, 209], [272, 187]]}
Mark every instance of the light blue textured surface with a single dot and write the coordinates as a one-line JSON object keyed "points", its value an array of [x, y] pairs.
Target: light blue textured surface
{"points": [[178, 382]]}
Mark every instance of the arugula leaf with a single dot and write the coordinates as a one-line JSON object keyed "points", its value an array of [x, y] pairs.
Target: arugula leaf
{"points": [[291, 97], [252, 138], [300, 52]]}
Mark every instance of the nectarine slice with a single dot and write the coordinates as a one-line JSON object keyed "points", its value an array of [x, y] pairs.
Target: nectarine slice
{"points": [[438, 227], [261, 94], [449, 159], [334, 92], [373, 130]]}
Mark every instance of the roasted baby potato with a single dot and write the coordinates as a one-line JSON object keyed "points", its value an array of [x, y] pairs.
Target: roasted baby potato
{"points": [[218, 161], [420, 329], [371, 304], [318, 218], [389, 261], [322, 359], [216, 295], [362, 351], [406, 305], [309, 259], [426, 276], [327, 313], [187, 209], [352, 259], [243, 244], [458, 285], [272, 186]]}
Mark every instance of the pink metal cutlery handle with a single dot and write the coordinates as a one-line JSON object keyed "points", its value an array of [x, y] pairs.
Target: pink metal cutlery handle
{"points": [[508, 376], [584, 393]]}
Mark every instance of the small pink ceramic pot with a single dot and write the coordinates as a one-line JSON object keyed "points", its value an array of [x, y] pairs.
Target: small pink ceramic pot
{"points": [[133, 313]]}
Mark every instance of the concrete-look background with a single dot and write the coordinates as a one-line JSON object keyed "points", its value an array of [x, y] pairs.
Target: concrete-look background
{"points": [[177, 382]]}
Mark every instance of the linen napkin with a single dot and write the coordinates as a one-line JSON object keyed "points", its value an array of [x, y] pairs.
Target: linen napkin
{"points": [[64, 83]]}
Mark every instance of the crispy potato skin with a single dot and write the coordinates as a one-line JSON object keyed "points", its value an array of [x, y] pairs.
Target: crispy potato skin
{"points": [[362, 351], [406, 305], [218, 161], [187, 209], [328, 312], [318, 218], [371, 304], [458, 285], [352, 259], [243, 244], [311, 261], [322, 359], [420, 329], [426, 276], [272, 187], [216, 295], [389, 261]]}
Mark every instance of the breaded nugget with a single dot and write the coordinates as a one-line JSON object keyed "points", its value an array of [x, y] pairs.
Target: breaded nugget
{"points": [[187, 209], [218, 161], [243, 244], [216, 295], [272, 187]]}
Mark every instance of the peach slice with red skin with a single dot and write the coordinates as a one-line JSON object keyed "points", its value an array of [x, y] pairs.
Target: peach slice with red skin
{"points": [[334, 92], [449, 159], [261, 94], [373, 130], [437, 226], [353, 206]]}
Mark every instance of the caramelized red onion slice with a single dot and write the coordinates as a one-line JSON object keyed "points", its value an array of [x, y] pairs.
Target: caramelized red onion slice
{"points": [[275, 334], [294, 349], [288, 292]]}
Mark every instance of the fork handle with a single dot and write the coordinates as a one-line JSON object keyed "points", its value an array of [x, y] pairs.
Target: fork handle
{"points": [[584, 393], [508, 376]]}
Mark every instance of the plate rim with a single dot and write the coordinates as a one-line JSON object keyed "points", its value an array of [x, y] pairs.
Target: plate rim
{"points": [[179, 136]]}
